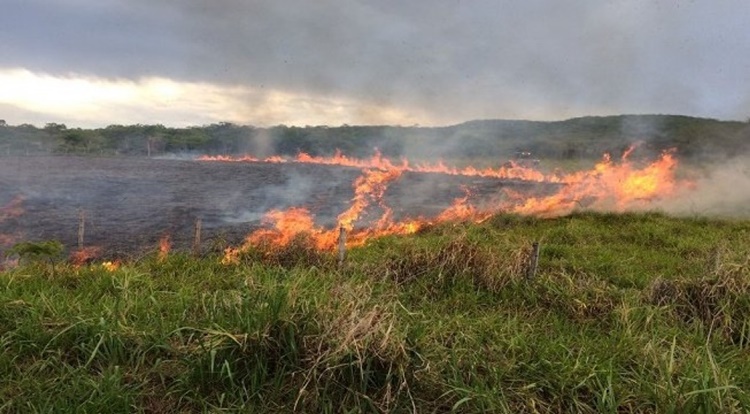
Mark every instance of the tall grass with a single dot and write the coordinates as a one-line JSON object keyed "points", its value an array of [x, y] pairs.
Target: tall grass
{"points": [[633, 312]]}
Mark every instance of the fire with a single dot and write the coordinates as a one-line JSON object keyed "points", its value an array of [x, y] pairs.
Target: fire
{"points": [[111, 266], [165, 245], [370, 186], [614, 186], [510, 171], [609, 186], [286, 225], [84, 256], [463, 210]]}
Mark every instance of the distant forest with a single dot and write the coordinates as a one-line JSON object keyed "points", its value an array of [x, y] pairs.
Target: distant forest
{"points": [[579, 138]]}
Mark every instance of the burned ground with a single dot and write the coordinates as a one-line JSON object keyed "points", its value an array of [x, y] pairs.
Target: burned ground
{"points": [[130, 203]]}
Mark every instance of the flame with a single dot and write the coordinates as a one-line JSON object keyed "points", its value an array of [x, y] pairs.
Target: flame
{"points": [[462, 210], [286, 225], [610, 185], [368, 187], [84, 256], [165, 245], [111, 266], [509, 171]]}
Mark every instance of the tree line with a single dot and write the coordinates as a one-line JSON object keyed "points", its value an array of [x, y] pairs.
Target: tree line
{"points": [[578, 138]]}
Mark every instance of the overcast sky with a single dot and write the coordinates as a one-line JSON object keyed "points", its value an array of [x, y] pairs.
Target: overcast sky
{"points": [[430, 62]]}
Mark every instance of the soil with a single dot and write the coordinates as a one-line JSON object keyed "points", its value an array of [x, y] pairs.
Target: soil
{"points": [[130, 203]]}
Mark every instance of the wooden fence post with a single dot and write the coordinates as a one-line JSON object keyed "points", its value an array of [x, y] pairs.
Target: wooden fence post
{"points": [[81, 227], [342, 246], [197, 239], [533, 261]]}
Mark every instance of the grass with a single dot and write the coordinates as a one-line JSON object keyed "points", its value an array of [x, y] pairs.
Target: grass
{"points": [[627, 313]]}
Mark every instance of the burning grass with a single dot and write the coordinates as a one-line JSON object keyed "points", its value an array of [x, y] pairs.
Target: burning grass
{"points": [[631, 313], [300, 250], [610, 186]]}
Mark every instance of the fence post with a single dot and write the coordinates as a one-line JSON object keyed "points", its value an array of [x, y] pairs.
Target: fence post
{"points": [[717, 260], [197, 238], [81, 227], [533, 261], [342, 245]]}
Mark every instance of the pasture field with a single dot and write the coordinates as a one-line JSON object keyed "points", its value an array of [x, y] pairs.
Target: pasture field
{"points": [[635, 312]]}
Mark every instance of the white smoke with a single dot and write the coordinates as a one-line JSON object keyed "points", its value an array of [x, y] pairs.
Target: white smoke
{"points": [[721, 190]]}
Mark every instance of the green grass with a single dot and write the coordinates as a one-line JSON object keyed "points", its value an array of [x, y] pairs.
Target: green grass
{"points": [[627, 313]]}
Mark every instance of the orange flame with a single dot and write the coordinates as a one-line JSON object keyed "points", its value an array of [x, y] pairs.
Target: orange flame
{"points": [[84, 256], [111, 266], [165, 245], [608, 186], [462, 210], [368, 187], [509, 171]]}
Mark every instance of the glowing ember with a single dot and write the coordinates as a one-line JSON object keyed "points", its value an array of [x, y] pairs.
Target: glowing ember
{"points": [[608, 186]]}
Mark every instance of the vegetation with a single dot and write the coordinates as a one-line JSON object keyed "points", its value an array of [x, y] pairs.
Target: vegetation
{"points": [[574, 139], [627, 313]]}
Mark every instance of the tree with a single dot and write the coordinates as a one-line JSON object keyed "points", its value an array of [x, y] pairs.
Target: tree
{"points": [[48, 250], [53, 127]]}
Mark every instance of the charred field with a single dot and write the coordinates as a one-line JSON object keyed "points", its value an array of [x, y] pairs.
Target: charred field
{"points": [[129, 204]]}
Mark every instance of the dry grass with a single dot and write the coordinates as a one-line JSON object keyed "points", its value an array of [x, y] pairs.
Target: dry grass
{"points": [[458, 259], [359, 345], [720, 300], [299, 252]]}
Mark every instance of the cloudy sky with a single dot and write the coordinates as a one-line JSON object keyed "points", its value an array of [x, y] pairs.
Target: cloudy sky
{"points": [[310, 62]]}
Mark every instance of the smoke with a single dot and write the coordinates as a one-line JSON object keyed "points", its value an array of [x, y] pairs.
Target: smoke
{"points": [[721, 190], [323, 192], [250, 207], [260, 144]]}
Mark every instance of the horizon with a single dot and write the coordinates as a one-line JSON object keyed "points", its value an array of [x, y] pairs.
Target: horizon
{"points": [[344, 125]]}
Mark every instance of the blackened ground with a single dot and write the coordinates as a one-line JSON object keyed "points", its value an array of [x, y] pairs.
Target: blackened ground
{"points": [[130, 203]]}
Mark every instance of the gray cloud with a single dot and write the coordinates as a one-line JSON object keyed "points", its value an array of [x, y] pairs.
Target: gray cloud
{"points": [[455, 59]]}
